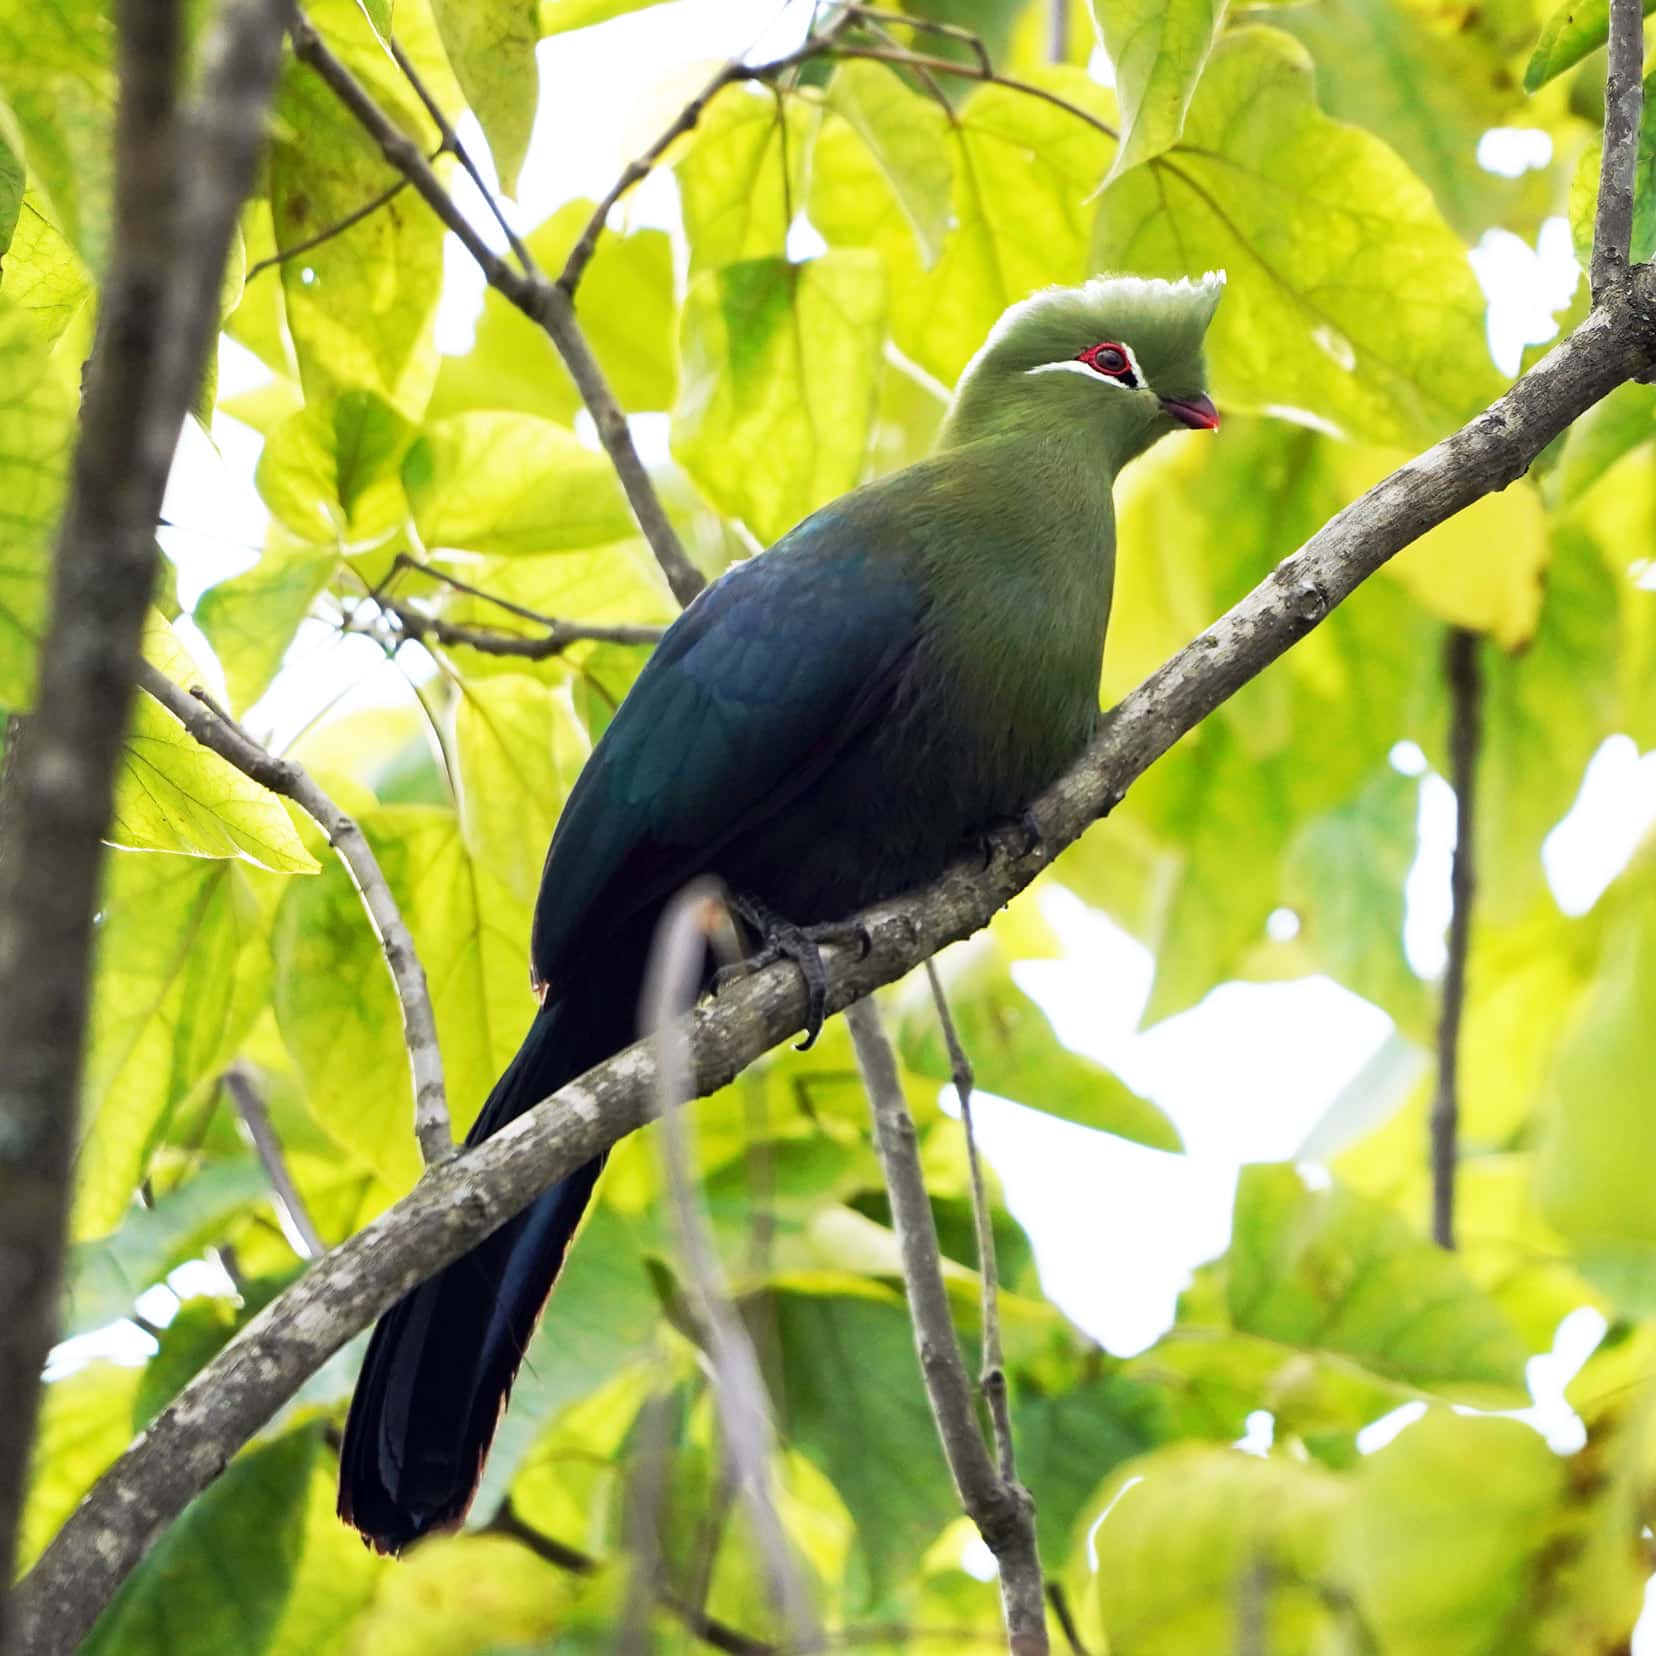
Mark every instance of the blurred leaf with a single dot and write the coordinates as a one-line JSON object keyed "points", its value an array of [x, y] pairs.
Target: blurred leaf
{"points": [[334, 1580], [1584, 188], [1184, 1537], [251, 619], [245, 1528], [781, 371], [43, 277], [1445, 1535], [1575, 29], [1350, 299], [1607, 432], [11, 193], [1158, 51], [511, 484], [491, 45], [1331, 1271], [559, 16]]}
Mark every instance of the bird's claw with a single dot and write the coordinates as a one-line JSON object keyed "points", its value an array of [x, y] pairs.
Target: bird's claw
{"points": [[1018, 836], [781, 939]]}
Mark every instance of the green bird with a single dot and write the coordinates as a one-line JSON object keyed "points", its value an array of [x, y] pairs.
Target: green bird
{"points": [[827, 725]]}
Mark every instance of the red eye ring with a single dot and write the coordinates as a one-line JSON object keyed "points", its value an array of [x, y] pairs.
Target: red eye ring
{"points": [[1109, 359]]}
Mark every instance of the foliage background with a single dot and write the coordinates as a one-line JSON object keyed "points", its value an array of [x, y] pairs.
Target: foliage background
{"points": [[782, 319]]}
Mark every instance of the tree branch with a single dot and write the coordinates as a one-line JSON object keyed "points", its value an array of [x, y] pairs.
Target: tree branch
{"points": [[458, 1203], [1623, 110], [250, 1106], [1000, 1507], [1465, 680], [416, 624], [541, 301], [217, 730], [158, 317]]}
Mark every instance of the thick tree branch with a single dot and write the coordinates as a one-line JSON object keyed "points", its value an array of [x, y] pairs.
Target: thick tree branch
{"points": [[1001, 1509], [540, 300], [216, 730], [1623, 110], [1464, 676], [457, 1204], [178, 186]]}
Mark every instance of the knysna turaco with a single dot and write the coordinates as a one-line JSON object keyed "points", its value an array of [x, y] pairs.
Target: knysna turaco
{"points": [[827, 725]]}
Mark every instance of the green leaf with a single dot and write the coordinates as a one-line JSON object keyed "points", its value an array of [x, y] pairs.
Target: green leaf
{"points": [[1333, 1272], [246, 1528], [1351, 301], [1575, 29], [334, 1581], [627, 309], [1447, 1534], [560, 16], [165, 1013], [741, 177], [1584, 187], [250, 620], [11, 193], [518, 749], [42, 276], [37, 423], [849, 1395], [57, 85], [1607, 432], [491, 45], [1184, 1535], [1158, 50], [781, 375], [511, 484], [908, 136]]}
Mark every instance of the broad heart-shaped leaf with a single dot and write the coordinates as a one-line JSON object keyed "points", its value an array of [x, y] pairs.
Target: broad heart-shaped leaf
{"points": [[491, 45], [180, 974], [848, 1393], [360, 305], [334, 1001], [250, 620], [41, 275], [1333, 1272], [511, 483], [1445, 1536], [626, 307], [246, 1530], [1350, 299], [781, 372], [907, 134], [172, 794], [1014, 1051], [85, 1422], [37, 419], [330, 472], [1024, 172], [1584, 188], [1185, 1536], [1575, 29], [741, 176], [57, 82], [1158, 48], [518, 749]]}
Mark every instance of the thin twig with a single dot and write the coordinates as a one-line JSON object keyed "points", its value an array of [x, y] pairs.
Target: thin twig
{"points": [[250, 1106], [1001, 1509], [672, 981], [191, 1441], [350, 221], [559, 635], [1623, 112], [646, 1501], [958, 33], [215, 729], [993, 1375], [1059, 1600], [543, 302], [1465, 680]]}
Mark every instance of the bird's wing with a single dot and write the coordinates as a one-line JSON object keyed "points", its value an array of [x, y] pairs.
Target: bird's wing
{"points": [[765, 678]]}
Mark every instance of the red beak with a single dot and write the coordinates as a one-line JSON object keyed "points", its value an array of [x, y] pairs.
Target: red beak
{"points": [[1196, 412]]}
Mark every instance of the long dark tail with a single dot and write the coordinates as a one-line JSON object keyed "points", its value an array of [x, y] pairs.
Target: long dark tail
{"points": [[441, 1362]]}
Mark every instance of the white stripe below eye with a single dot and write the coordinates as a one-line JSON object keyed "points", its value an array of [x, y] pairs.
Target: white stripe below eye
{"points": [[1075, 366]]}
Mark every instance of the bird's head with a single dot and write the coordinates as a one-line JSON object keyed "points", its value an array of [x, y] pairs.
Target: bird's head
{"points": [[1119, 358]]}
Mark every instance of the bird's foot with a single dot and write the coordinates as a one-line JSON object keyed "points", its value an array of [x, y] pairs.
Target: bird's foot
{"points": [[1018, 836], [781, 939]]}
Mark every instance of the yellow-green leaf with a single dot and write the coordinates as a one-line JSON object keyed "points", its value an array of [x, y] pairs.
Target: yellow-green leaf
{"points": [[491, 45], [781, 376], [1575, 29], [1159, 48], [250, 620]]}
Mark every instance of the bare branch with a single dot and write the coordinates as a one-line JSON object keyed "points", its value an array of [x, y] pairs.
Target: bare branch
{"points": [[215, 729], [671, 982], [1623, 111], [559, 635], [541, 301], [283, 255], [1465, 679], [159, 314], [250, 1106], [1002, 1511], [457, 1204]]}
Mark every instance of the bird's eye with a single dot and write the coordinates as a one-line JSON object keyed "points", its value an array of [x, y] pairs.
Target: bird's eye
{"points": [[1108, 359]]}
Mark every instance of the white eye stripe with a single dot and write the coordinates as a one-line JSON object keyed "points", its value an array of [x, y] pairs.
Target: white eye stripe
{"points": [[1073, 365]]}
